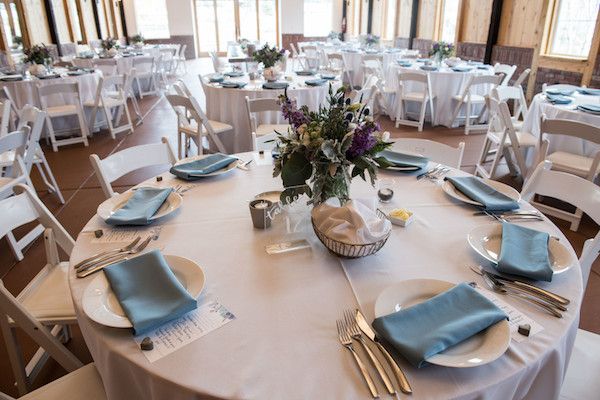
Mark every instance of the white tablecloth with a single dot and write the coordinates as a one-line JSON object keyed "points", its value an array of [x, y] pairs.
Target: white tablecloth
{"points": [[354, 62], [540, 106], [229, 106], [124, 64], [25, 92], [445, 83], [283, 344]]}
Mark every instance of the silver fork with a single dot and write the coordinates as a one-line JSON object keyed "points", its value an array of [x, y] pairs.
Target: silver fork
{"points": [[355, 333], [438, 174], [108, 252], [106, 262], [346, 341], [428, 173]]}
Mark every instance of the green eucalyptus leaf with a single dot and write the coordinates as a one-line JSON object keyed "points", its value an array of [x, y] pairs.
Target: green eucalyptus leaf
{"points": [[296, 170]]}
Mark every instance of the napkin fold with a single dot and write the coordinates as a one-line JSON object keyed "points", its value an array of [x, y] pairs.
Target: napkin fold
{"points": [[315, 82], [589, 91], [328, 77], [234, 74], [430, 327], [216, 78], [305, 73], [462, 69], [401, 160], [591, 108], [429, 68], [233, 85], [524, 252], [558, 99], [195, 169], [356, 222], [476, 190], [148, 291], [559, 92], [140, 207], [275, 85]]}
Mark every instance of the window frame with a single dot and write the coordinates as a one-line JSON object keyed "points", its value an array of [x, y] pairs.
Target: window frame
{"points": [[439, 21], [141, 31]]}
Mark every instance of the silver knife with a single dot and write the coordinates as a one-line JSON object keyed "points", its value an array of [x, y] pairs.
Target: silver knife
{"points": [[370, 333]]}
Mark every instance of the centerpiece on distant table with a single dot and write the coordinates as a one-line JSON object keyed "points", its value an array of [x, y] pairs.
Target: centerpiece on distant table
{"points": [[38, 56], [137, 40], [320, 155], [440, 51], [271, 59], [370, 41], [110, 47]]}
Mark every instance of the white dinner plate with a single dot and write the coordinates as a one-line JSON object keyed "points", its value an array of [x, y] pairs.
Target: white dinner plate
{"points": [[500, 187], [486, 240], [482, 348], [223, 170], [109, 206], [101, 304]]}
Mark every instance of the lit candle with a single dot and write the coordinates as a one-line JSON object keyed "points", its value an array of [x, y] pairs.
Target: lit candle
{"points": [[261, 205], [385, 194]]}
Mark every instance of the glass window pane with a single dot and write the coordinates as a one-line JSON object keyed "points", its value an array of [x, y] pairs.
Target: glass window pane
{"points": [[267, 22], [248, 29], [318, 16], [6, 24], [574, 27], [450, 15], [226, 23], [73, 13], [151, 19], [205, 24], [390, 19]]}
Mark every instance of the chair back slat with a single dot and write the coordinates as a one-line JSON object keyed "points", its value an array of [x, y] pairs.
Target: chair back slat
{"points": [[261, 105], [569, 127]]}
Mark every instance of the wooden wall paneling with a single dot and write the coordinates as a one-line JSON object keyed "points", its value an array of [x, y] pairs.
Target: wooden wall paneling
{"points": [[36, 21], [540, 27], [475, 21], [427, 13], [519, 22], [403, 20], [589, 69]]}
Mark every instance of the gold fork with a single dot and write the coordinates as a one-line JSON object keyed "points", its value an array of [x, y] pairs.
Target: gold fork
{"points": [[346, 341]]}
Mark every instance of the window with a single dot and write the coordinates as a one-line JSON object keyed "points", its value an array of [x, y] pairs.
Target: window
{"points": [[449, 20], [75, 22], [572, 28], [151, 19], [318, 17], [389, 14]]}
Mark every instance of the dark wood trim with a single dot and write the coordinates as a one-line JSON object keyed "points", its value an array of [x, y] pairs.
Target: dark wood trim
{"points": [[492, 38], [123, 22], [344, 18], [414, 21], [52, 24], [97, 18], [370, 17]]}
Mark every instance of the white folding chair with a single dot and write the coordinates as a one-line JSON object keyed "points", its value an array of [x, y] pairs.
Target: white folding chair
{"points": [[521, 79], [264, 132], [145, 69], [581, 379], [14, 115], [368, 94], [519, 103], [218, 65], [133, 158], [468, 98], [435, 151], [82, 384], [193, 124], [501, 137], [111, 97], [108, 66], [43, 309], [68, 92], [5, 111], [180, 59], [337, 65], [298, 58], [586, 167], [506, 70], [422, 96], [372, 64]]}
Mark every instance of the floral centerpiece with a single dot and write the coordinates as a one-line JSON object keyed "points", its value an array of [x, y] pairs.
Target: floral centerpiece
{"points": [[333, 36], [370, 40], [38, 56], [270, 57], [17, 42], [441, 50], [110, 46], [137, 40], [326, 149]]}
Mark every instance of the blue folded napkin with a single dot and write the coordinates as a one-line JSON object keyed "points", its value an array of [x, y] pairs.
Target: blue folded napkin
{"points": [[429, 68], [216, 78], [49, 76], [328, 77], [140, 207], [148, 291], [475, 189], [305, 73], [461, 69], [430, 327], [422, 60], [483, 67], [404, 63], [195, 169], [315, 82], [350, 50], [594, 108], [275, 85], [234, 74], [409, 161], [472, 62], [233, 85], [559, 92], [558, 99], [589, 91], [11, 78], [524, 252]]}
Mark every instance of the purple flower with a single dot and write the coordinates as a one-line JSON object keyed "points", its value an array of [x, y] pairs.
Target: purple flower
{"points": [[292, 114], [363, 140]]}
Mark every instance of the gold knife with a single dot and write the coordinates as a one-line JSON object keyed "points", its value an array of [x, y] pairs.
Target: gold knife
{"points": [[370, 333]]}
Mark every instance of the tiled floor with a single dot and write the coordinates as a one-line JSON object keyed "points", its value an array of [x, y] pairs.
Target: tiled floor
{"points": [[83, 194]]}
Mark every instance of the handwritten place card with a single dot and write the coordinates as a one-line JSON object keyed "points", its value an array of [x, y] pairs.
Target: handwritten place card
{"points": [[123, 235], [178, 333], [515, 317]]}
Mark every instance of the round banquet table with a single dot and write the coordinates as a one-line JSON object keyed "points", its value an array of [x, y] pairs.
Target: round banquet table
{"points": [[283, 342], [124, 64], [229, 105], [354, 60], [25, 92], [445, 84], [540, 106]]}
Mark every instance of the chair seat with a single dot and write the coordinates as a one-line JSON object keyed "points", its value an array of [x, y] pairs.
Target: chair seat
{"points": [[82, 384], [414, 96], [48, 296], [525, 139], [59, 111], [109, 102], [220, 126], [475, 98], [571, 163], [8, 158], [581, 380], [5, 181], [267, 129]]}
